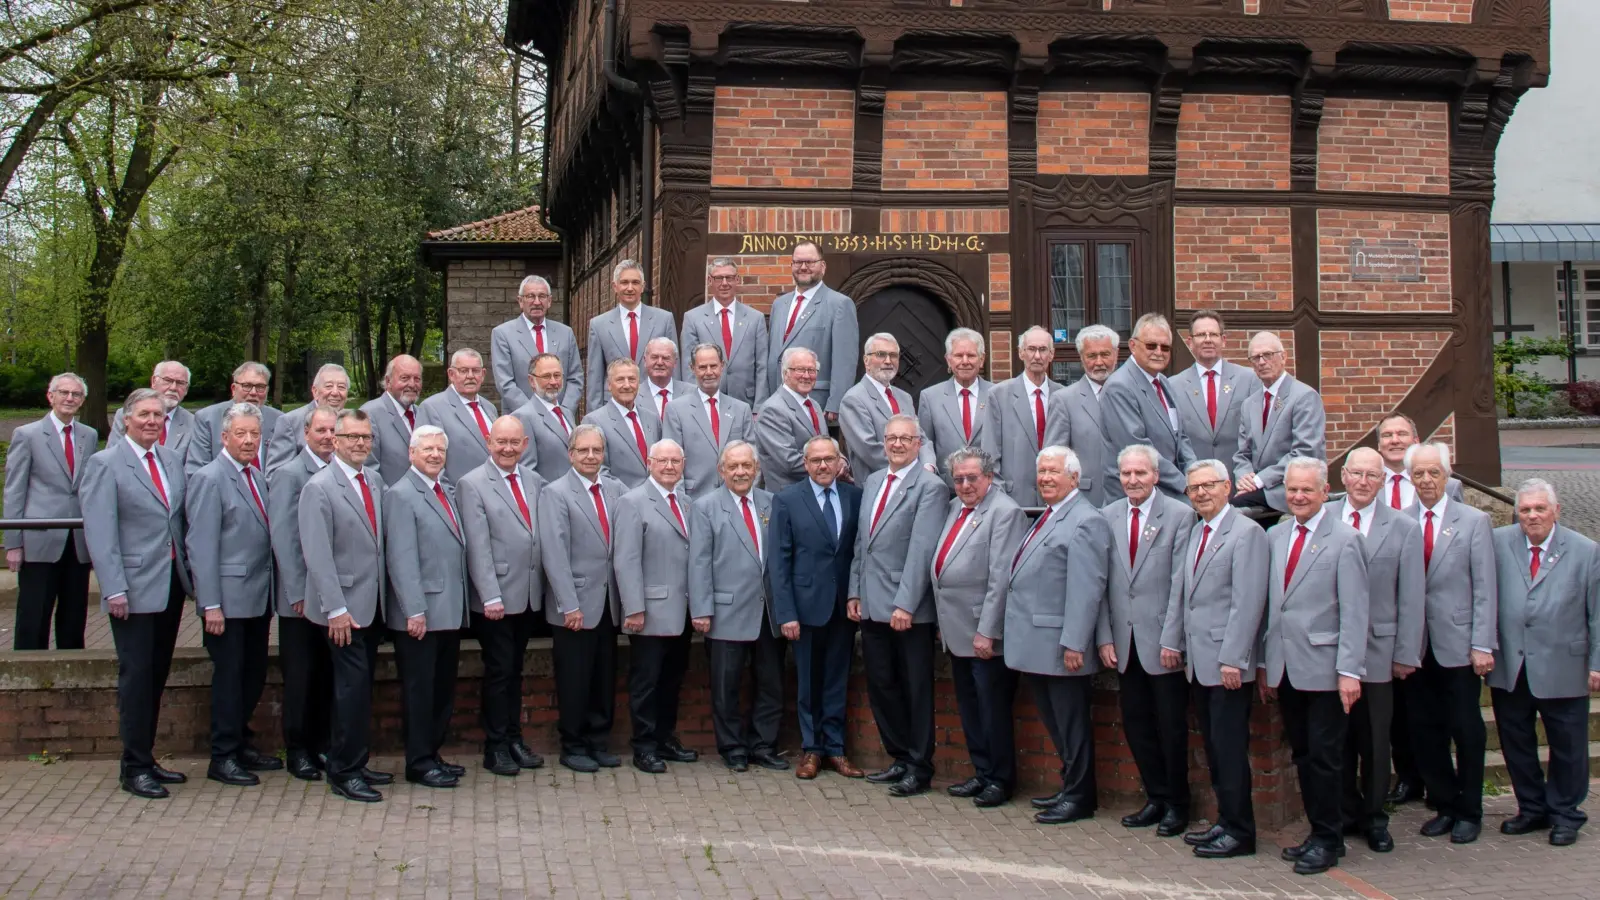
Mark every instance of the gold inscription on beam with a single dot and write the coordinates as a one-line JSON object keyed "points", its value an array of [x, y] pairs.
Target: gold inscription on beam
{"points": [[865, 243]]}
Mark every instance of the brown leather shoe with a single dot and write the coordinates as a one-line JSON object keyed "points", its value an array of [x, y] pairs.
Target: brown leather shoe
{"points": [[809, 764], [845, 767]]}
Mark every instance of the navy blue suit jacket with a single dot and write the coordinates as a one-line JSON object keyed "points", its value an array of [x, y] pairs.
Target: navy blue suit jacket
{"points": [[808, 571]]}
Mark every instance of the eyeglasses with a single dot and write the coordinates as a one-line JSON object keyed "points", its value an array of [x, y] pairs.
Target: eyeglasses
{"points": [[900, 439], [1354, 475], [724, 278], [1035, 351], [469, 370], [1152, 345], [175, 382], [884, 354], [1263, 357], [250, 385], [354, 437], [70, 395], [1206, 335], [966, 479], [799, 371], [801, 263], [1202, 487], [827, 460]]}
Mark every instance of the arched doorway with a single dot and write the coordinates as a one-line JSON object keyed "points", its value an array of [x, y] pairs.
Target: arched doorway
{"points": [[920, 323]]}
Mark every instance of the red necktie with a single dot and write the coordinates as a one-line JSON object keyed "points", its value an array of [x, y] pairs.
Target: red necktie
{"points": [[1211, 398], [72, 459], [1266, 408], [438, 491], [677, 513], [1038, 415], [1294, 554], [155, 476], [1533, 570], [1394, 495], [1029, 539], [894, 406], [411, 418], [538, 337], [1427, 540], [966, 413], [254, 493], [1355, 520], [750, 523], [477, 413], [816, 426], [727, 333], [716, 422], [1161, 396], [1205, 535], [793, 314], [1133, 538], [663, 395], [883, 500], [950, 540], [562, 419], [638, 434], [522, 502], [633, 335], [600, 510], [163, 432], [366, 500]]}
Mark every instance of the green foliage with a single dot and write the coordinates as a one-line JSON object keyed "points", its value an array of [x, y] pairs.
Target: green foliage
{"points": [[1511, 382]]}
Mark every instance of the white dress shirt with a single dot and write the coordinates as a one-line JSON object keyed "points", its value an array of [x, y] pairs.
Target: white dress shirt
{"points": [[401, 410], [755, 516], [655, 396], [1408, 490], [1144, 519], [350, 474], [1043, 395], [562, 420], [889, 487], [1365, 524]]}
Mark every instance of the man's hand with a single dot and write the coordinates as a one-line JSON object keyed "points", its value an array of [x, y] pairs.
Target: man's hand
{"points": [[983, 646], [573, 621], [852, 608], [1232, 678], [14, 559], [701, 624], [1401, 672], [633, 624], [118, 606], [1482, 663], [299, 607], [1266, 693], [791, 630], [1108, 655], [1072, 659], [833, 418], [900, 620], [1171, 659], [214, 622], [417, 625], [1245, 483], [494, 612], [1594, 682], [1349, 691], [339, 628]]}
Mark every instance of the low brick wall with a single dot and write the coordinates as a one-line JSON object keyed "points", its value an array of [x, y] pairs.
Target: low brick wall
{"points": [[65, 702]]}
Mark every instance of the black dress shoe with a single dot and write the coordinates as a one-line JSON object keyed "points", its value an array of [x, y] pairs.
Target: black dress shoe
{"points": [[452, 768], [1379, 840], [373, 776], [650, 763], [499, 762], [675, 751], [144, 785], [1465, 832], [1563, 836], [1521, 824], [1144, 818], [578, 762], [524, 757], [1172, 824], [1316, 860], [1047, 802], [972, 787], [255, 761], [301, 767], [1405, 792], [767, 759], [1196, 838], [909, 786], [228, 771], [1438, 826], [993, 794], [1290, 854], [167, 776], [1064, 812], [737, 763], [890, 775], [604, 759], [435, 777], [354, 788], [1225, 846]]}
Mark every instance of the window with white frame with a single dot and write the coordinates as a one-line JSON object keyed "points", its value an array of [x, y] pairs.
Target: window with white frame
{"points": [[1585, 300]]}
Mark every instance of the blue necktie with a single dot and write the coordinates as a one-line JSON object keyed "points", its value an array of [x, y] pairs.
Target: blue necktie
{"points": [[827, 512]]}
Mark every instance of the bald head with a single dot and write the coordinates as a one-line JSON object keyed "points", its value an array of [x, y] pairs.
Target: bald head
{"points": [[507, 442], [1362, 476], [1267, 357]]}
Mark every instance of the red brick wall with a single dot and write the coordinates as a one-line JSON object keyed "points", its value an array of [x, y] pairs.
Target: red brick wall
{"points": [[779, 220], [1233, 258], [1336, 228], [1092, 133], [944, 140], [1000, 282], [1457, 12], [1234, 142], [1365, 374], [944, 221], [1384, 145], [1002, 351], [782, 137], [762, 279]]}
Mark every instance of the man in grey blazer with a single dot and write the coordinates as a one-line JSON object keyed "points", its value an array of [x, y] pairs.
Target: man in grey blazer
{"points": [[498, 504], [342, 541], [869, 404], [1460, 627], [514, 344], [623, 331], [171, 381], [729, 603], [581, 600], [463, 413], [545, 421], [1138, 406], [951, 412], [44, 468], [426, 604], [891, 595], [1074, 419], [1017, 415], [789, 418], [1548, 662], [1314, 650], [250, 383], [1214, 618], [1210, 392], [302, 644], [329, 390], [739, 330], [230, 563], [630, 426], [971, 571], [134, 492], [704, 421], [1284, 421], [660, 385], [820, 319], [651, 559], [394, 417], [1396, 589], [1149, 536], [1047, 620]]}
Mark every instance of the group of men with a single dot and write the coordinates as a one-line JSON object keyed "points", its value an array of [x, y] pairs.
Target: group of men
{"points": [[1109, 524]]}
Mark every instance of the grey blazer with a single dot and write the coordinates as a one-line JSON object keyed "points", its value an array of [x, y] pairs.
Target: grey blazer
{"points": [[1011, 438], [469, 449], [863, 413], [939, 413], [1058, 586], [179, 432], [727, 576], [977, 570], [623, 461], [1139, 598], [1317, 626], [1296, 426], [427, 557], [689, 423], [744, 371], [1462, 606], [134, 539], [283, 511], [39, 487], [547, 440], [511, 351], [229, 544], [652, 560], [1215, 614], [649, 394], [288, 436], [1549, 625], [892, 565], [1131, 414], [1397, 590], [391, 438], [827, 326], [608, 340], [1074, 420], [574, 551], [206, 442], [344, 555], [782, 429], [502, 547], [1234, 384]]}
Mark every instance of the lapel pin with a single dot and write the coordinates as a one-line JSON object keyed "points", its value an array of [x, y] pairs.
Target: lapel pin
{"points": [[1227, 389], [1448, 531]]}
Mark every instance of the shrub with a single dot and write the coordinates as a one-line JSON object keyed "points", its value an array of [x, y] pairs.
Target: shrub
{"points": [[1585, 397]]}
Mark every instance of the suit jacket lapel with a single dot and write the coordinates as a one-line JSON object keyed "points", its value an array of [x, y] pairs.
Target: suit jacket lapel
{"points": [[735, 514], [1308, 554], [503, 491], [1279, 401], [1444, 529], [56, 450], [577, 487], [1038, 539], [822, 523], [244, 494], [1558, 548], [974, 521], [1119, 538], [141, 468], [1023, 406], [1227, 387], [702, 417], [664, 510], [352, 496], [1378, 531], [897, 495], [1197, 404], [1148, 530]]}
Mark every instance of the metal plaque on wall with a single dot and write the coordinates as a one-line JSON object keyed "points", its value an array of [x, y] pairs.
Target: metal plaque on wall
{"points": [[1385, 260]]}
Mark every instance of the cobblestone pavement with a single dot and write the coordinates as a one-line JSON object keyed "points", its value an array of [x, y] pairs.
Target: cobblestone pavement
{"points": [[65, 831]]}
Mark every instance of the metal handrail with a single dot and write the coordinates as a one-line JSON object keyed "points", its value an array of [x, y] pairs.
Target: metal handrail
{"points": [[1485, 489], [38, 524]]}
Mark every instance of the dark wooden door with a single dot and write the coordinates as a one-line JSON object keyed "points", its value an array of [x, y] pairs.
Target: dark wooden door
{"points": [[920, 323]]}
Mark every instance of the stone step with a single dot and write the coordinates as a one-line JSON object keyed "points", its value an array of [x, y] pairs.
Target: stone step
{"points": [[1494, 733], [1494, 766]]}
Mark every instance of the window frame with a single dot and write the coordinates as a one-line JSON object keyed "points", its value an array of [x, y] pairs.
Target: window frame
{"points": [[1586, 303], [1066, 354]]}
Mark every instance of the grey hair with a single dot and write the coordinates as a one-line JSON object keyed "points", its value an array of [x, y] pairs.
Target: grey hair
{"points": [[428, 431], [721, 262], [388, 370], [82, 385], [783, 363], [662, 340], [1068, 458], [465, 351], [1024, 336], [240, 411], [1149, 319], [738, 445], [246, 368], [906, 420], [880, 336], [665, 442], [706, 345], [967, 454], [1307, 462], [323, 411], [1538, 486], [1279, 342], [585, 428], [1217, 467], [1097, 333], [138, 396], [534, 279], [353, 415], [821, 437], [331, 368], [962, 334], [621, 362], [534, 363], [1149, 453], [171, 362], [625, 265], [1444, 455]]}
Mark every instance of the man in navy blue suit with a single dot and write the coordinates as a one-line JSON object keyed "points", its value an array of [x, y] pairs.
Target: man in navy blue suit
{"points": [[812, 537]]}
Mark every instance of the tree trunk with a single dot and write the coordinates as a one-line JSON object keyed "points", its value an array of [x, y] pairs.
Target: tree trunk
{"points": [[364, 338], [258, 314], [387, 313]]}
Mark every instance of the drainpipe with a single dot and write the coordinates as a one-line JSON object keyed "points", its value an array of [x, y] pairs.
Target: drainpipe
{"points": [[647, 144]]}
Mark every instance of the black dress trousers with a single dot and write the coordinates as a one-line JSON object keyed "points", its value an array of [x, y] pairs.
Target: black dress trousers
{"points": [[1224, 718], [351, 718], [427, 692], [656, 666], [238, 675], [899, 668], [1063, 702], [60, 589], [986, 692], [505, 647], [1366, 756], [144, 643], [1445, 715], [586, 684], [1155, 719], [1315, 723], [737, 734], [1558, 792], [307, 685]]}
